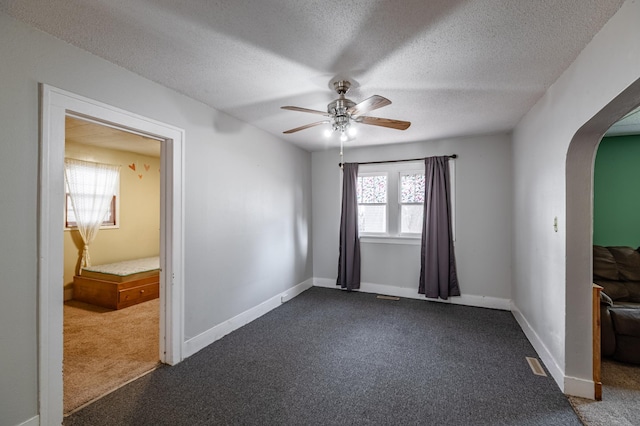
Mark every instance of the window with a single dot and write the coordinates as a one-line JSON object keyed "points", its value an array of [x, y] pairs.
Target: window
{"points": [[376, 215], [91, 184], [411, 200], [70, 215], [391, 202], [372, 203]]}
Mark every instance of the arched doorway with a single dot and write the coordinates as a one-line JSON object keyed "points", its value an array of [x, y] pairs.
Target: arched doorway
{"points": [[579, 232]]}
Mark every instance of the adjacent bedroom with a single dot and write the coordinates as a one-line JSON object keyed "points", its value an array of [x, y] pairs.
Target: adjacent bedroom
{"points": [[111, 259]]}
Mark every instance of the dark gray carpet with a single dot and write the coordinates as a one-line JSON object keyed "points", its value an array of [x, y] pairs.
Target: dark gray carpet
{"points": [[330, 357]]}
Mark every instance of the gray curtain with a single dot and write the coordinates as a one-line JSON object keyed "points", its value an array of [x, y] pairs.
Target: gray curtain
{"points": [[349, 258], [438, 276]]}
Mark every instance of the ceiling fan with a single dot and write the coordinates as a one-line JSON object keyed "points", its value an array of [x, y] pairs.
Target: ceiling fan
{"points": [[342, 112]]}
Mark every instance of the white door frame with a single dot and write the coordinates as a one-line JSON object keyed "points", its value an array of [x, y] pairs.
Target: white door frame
{"points": [[55, 105]]}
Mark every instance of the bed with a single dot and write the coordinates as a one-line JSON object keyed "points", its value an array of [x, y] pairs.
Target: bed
{"points": [[119, 285]]}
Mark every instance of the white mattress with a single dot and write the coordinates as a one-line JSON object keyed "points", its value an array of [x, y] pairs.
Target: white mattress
{"points": [[127, 267]]}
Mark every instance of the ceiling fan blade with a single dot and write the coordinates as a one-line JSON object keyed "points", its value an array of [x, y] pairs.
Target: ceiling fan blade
{"points": [[384, 122], [369, 104], [312, 111], [306, 126]]}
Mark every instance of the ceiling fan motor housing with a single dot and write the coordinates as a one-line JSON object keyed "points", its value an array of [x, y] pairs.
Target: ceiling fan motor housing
{"points": [[340, 106], [341, 86]]}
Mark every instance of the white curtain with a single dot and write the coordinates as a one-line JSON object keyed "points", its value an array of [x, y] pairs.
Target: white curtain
{"points": [[91, 187]]}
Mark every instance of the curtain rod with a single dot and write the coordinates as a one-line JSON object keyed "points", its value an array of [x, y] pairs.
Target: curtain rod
{"points": [[397, 161]]}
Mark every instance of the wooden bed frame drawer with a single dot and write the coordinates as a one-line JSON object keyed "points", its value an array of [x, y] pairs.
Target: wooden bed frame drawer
{"points": [[131, 296]]}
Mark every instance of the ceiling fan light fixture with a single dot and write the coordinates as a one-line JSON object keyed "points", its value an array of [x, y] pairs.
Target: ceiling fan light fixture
{"points": [[340, 123], [342, 111], [327, 133]]}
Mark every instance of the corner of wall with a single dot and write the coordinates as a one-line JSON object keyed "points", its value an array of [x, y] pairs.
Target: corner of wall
{"points": [[545, 355]]}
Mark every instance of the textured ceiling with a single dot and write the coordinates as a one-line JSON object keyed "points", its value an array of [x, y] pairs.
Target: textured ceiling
{"points": [[451, 67], [94, 134]]}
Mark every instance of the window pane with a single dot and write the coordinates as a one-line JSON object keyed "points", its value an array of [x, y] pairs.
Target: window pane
{"points": [[109, 217], [372, 189], [412, 188], [92, 184], [411, 219], [372, 218]]}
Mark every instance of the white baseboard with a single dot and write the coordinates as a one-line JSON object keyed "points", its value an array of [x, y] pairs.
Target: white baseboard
{"points": [[206, 338], [411, 293], [33, 421], [549, 361]]}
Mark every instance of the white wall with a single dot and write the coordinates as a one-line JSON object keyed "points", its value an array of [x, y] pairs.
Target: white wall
{"points": [[483, 217], [247, 200], [552, 306], [229, 222]]}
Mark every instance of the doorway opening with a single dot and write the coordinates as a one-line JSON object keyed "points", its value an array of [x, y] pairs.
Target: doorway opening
{"points": [[56, 106], [580, 329], [112, 306]]}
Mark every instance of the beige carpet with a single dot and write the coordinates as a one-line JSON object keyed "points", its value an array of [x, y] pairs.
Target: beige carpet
{"points": [[103, 349], [620, 405]]}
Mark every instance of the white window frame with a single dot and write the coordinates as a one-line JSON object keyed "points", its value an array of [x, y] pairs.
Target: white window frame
{"points": [[394, 171], [386, 204], [117, 208], [400, 203]]}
